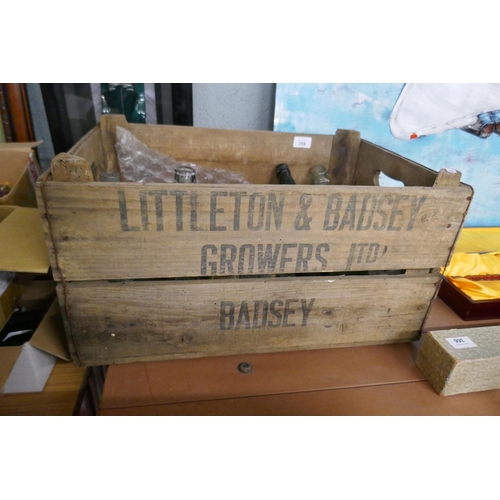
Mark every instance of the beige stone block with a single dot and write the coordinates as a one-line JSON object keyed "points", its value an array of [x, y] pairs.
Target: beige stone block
{"points": [[460, 361]]}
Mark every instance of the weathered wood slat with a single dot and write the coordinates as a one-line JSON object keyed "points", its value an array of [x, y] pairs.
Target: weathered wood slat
{"points": [[130, 321], [448, 177], [253, 154], [372, 158], [125, 231], [108, 126], [343, 158]]}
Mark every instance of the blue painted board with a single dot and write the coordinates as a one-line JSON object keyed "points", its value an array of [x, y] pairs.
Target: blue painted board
{"points": [[322, 108]]}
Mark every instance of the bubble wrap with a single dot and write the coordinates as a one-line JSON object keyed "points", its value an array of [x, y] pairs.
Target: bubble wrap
{"points": [[139, 163]]}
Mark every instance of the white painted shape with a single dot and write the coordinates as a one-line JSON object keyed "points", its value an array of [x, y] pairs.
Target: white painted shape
{"points": [[430, 108], [31, 371]]}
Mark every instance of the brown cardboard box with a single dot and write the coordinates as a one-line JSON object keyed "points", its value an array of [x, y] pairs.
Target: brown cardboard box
{"points": [[20, 170], [461, 361], [23, 256]]}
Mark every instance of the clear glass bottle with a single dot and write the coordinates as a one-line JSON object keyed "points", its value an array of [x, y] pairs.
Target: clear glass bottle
{"points": [[319, 175], [185, 175], [283, 174], [109, 177]]}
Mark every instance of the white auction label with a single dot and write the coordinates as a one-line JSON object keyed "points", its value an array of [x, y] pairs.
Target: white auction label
{"points": [[461, 342], [302, 142]]}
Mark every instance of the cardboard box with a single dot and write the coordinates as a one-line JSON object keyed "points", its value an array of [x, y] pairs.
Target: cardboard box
{"points": [[23, 257], [20, 170], [22, 254], [461, 361], [147, 271]]}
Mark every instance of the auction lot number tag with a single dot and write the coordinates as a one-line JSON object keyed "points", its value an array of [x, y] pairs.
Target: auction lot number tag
{"points": [[461, 342], [302, 142]]}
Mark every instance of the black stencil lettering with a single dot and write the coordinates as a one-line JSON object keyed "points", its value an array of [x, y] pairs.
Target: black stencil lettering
{"points": [[204, 260], [415, 208], [226, 315], [306, 309], [303, 221], [350, 257], [361, 247], [144, 210], [214, 211], [225, 261], [349, 218], [159, 207], [381, 226], [372, 253], [284, 258], [333, 199], [302, 261], [194, 212], [277, 314], [243, 316], [122, 205], [267, 259], [259, 322], [319, 257], [288, 312], [362, 225], [251, 212], [394, 213], [179, 195], [251, 258], [275, 210], [237, 209]]}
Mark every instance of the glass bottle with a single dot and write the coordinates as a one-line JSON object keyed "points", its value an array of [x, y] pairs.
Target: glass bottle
{"points": [[109, 177], [319, 175], [283, 174], [185, 175]]}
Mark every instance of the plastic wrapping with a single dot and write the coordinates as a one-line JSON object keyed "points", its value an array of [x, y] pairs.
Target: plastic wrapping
{"points": [[139, 163]]}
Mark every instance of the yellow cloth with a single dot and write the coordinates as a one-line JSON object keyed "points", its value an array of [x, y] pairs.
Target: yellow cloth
{"points": [[474, 264], [478, 239]]}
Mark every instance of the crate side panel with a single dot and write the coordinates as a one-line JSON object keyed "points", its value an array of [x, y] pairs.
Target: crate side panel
{"points": [[129, 231], [251, 153], [50, 240], [373, 159], [131, 321], [90, 147]]}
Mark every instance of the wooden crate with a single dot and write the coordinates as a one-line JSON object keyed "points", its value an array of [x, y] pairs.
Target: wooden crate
{"points": [[164, 271]]}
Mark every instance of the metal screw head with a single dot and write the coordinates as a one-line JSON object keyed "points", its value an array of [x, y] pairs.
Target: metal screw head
{"points": [[245, 367]]}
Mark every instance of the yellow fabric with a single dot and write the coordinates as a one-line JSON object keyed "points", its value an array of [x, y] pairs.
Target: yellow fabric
{"points": [[478, 239], [474, 264]]}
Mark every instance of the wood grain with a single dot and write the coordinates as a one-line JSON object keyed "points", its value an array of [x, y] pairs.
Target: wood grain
{"points": [[153, 320], [129, 231], [410, 399], [447, 178], [108, 124], [344, 156]]}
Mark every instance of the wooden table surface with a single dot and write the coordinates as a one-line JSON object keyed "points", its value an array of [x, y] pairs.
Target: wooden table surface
{"points": [[369, 380], [375, 380]]}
